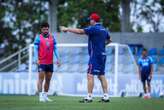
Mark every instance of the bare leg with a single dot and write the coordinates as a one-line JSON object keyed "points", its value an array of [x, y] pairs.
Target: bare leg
{"points": [[103, 83], [41, 76], [90, 79], [40, 85], [48, 76], [144, 87], [149, 87]]}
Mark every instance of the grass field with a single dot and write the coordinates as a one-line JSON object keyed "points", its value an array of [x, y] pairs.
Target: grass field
{"points": [[71, 103]]}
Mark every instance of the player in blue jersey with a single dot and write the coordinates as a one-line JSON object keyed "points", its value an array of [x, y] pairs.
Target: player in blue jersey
{"points": [[145, 65], [45, 50], [98, 37]]}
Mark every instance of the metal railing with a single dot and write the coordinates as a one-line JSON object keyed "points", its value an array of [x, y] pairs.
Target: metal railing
{"points": [[13, 62]]}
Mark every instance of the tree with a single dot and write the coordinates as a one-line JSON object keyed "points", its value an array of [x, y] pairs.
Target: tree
{"points": [[148, 14], [20, 21], [125, 16], [52, 18], [76, 12]]}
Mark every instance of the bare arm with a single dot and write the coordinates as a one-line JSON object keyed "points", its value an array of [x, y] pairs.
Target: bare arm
{"points": [[73, 30]]}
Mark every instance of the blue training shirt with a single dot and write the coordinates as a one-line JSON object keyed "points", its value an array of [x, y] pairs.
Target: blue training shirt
{"points": [[96, 42], [145, 64]]}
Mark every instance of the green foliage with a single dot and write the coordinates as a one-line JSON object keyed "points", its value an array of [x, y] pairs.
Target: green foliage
{"points": [[20, 21], [79, 10], [151, 12]]}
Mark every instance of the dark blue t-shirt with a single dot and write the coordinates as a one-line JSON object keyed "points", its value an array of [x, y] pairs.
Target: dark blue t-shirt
{"points": [[145, 65], [96, 42]]}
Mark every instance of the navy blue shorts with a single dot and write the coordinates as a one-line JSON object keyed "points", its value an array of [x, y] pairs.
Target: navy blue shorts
{"points": [[96, 65], [45, 68], [145, 77]]}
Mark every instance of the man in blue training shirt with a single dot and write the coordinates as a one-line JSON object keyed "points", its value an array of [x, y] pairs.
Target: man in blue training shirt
{"points": [[145, 65], [45, 51], [98, 38]]}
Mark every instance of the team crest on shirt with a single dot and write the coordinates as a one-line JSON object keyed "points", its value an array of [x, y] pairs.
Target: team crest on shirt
{"points": [[48, 45]]}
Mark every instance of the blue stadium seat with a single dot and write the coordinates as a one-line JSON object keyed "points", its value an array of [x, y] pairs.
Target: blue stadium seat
{"points": [[132, 49], [155, 59], [135, 48], [152, 51], [161, 61], [139, 52], [161, 52], [155, 67]]}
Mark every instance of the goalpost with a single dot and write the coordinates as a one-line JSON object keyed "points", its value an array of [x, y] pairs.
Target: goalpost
{"points": [[119, 61]]}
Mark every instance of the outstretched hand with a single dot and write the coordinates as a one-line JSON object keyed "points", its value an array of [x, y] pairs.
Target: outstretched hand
{"points": [[63, 28]]}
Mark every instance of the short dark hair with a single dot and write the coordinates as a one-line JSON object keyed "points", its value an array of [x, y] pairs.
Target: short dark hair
{"points": [[144, 49], [44, 24]]}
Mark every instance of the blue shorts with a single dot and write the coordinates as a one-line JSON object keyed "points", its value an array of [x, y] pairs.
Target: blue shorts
{"points": [[96, 65], [45, 68], [145, 77]]}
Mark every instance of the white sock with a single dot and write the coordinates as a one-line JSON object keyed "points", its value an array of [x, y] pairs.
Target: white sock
{"points": [[41, 94], [46, 93], [106, 96], [89, 96]]}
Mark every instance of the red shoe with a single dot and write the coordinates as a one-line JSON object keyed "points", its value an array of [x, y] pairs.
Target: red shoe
{"points": [[146, 97]]}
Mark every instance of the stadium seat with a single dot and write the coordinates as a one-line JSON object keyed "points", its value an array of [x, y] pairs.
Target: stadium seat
{"points": [[155, 59], [161, 61], [133, 50], [155, 67], [139, 52], [152, 51], [161, 52]]}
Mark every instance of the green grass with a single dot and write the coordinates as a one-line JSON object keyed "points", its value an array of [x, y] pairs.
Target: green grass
{"points": [[71, 103]]}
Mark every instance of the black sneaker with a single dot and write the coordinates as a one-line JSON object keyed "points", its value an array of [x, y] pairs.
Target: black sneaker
{"points": [[104, 100], [86, 101]]}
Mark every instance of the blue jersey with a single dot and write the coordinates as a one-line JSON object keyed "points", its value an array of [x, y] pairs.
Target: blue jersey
{"points": [[96, 42], [145, 65]]}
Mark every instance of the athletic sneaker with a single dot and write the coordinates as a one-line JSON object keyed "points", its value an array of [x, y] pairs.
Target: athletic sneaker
{"points": [[86, 100], [104, 99], [41, 98], [147, 96], [46, 98]]}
